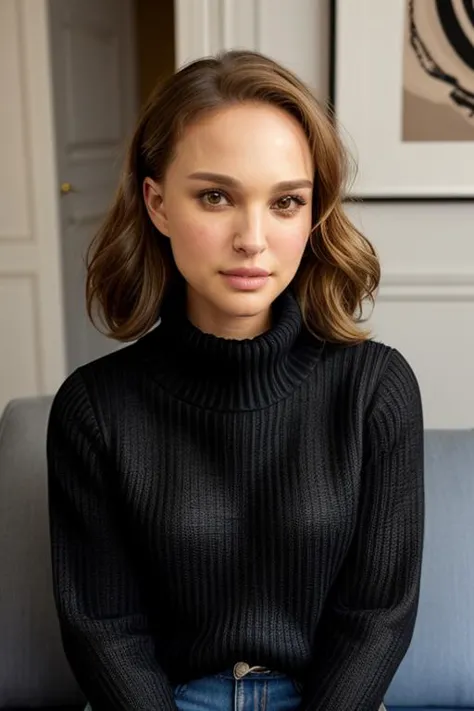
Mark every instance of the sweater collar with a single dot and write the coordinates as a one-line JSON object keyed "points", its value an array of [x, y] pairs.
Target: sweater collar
{"points": [[229, 374]]}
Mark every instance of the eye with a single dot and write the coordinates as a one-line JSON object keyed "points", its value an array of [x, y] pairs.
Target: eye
{"points": [[284, 203], [289, 204], [213, 198]]}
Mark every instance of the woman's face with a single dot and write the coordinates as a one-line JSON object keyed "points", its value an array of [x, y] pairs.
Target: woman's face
{"points": [[235, 203]]}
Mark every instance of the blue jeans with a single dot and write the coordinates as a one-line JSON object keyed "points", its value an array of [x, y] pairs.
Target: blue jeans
{"points": [[255, 691], [238, 690]]}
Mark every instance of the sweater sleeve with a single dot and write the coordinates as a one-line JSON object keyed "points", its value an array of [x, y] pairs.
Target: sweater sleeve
{"points": [[369, 616], [103, 622]]}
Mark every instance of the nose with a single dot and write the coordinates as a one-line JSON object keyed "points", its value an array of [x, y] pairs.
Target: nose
{"points": [[249, 237]]}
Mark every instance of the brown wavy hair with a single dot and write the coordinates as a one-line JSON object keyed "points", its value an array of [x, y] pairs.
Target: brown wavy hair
{"points": [[130, 263]]}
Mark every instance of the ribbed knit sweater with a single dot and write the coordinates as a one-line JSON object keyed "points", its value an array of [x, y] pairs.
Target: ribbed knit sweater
{"points": [[215, 501]]}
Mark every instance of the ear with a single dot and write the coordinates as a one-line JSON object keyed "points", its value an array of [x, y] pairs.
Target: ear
{"points": [[154, 201]]}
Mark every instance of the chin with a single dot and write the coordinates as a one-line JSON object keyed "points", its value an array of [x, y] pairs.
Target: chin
{"points": [[246, 303]]}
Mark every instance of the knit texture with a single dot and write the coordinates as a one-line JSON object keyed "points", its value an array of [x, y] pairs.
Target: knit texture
{"points": [[213, 501]]}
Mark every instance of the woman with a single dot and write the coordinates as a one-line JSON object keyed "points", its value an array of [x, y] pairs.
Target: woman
{"points": [[237, 496]]}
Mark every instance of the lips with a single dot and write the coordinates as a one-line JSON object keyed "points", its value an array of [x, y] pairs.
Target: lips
{"points": [[246, 279], [249, 273]]}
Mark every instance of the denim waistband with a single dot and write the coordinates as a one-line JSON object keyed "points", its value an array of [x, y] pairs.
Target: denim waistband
{"points": [[253, 675]]}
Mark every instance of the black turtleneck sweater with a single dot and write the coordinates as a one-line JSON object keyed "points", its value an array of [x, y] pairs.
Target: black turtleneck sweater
{"points": [[214, 500]]}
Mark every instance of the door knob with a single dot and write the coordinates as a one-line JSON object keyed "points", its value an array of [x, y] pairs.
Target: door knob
{"points": [[66, 188]]}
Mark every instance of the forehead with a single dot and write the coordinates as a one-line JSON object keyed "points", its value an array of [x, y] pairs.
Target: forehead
{"points": [[247, 138]]}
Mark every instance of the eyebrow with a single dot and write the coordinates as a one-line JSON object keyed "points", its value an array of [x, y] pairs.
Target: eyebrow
{"points": [[230, 182]]}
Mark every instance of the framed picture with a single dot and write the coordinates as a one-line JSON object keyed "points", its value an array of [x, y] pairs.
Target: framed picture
{"points": [[403, 92]]}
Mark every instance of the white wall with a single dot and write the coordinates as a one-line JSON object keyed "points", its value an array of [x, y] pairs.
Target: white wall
{"points": [[31, 344], [426, 302]]}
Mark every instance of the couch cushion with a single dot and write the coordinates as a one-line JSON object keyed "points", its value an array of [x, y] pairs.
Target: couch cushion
{"points": [[436, 672], [438, 668], [426, 708], [33, 669]]}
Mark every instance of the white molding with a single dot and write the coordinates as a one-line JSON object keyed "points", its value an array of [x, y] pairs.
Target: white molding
{"points": [[25, 113], [45, 193], [295, 36], [15, 257], [204, 27], [427, 286], [25, 236], [31, 278]]}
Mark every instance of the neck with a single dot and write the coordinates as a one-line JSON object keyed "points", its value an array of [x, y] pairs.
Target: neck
{"points": [[212, 321], [230, 374]]}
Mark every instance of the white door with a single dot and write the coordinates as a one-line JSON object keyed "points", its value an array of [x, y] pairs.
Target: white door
{"points": [[94, 87], [32, 358]]}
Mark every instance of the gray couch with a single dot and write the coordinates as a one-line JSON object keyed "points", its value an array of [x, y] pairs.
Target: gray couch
{"points": [[437, 672]]}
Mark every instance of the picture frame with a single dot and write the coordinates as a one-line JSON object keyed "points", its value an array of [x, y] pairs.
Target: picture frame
{"points": [[401, 117]]}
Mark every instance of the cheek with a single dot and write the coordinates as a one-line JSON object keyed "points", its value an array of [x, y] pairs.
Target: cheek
{"points": [[193, 236], [290, 240]]}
